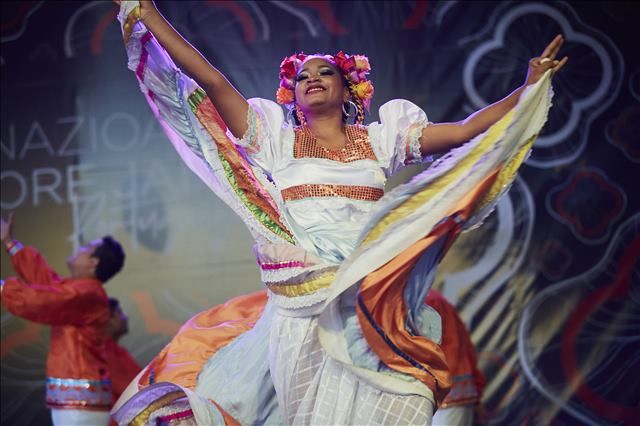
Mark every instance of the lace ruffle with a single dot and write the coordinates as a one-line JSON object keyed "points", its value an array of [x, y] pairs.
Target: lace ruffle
{"points": [[412, 153], [250, 140]]}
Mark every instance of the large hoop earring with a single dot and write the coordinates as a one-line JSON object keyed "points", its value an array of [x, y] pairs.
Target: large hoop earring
{"points": [[348, 113]]}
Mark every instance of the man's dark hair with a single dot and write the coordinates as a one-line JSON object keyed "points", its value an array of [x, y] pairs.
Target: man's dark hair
{"points": [[113, 305], [111, 258]]}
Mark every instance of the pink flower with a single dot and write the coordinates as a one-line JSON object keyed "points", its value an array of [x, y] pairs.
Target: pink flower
{"points": [[362, 63], [357, 76], [287, 83]]}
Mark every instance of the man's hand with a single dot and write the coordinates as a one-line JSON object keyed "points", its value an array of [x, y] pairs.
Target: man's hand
{"points": [[6, 234]]}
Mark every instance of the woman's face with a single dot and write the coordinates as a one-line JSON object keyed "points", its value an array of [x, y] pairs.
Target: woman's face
{"points": [[319, 84]]}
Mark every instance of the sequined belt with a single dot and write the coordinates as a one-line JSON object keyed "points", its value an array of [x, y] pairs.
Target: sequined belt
{"points": [[355, 192]]}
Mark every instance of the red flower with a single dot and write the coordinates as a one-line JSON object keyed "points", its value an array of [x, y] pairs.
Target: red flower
{"points": [[339, 58], [288, 67], [345, 62], [348, 65]]}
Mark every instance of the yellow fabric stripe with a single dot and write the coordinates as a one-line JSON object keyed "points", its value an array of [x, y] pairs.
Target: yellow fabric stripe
{"points": [[302, 289], [142, 418], [507, 174], [494, 133]]}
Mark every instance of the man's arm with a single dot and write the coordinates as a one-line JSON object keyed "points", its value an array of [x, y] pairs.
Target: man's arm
{"points": [[28, 262], [74, 303], [37, 296]]}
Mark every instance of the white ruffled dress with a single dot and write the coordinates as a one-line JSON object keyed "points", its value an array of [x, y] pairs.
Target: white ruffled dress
{"points": [[320, 228]]}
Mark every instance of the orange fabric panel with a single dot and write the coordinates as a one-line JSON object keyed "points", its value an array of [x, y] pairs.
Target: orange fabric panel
{"points": [[382, 294], [201, 337], [457, 347]]}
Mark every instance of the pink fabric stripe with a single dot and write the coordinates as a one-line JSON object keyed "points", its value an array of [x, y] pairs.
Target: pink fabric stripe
{"points": [[174, 416], [280, 265], [143, 56]]}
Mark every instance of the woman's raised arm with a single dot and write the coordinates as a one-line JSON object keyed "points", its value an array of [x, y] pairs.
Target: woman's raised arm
{"points": [[231, 105], [441, 137]]}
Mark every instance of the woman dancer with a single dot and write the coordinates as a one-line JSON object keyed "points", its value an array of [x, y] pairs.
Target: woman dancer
{"points": [[343, 336]]}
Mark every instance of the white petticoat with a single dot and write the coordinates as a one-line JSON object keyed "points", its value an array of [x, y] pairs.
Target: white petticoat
{"points": [[314, 389]]}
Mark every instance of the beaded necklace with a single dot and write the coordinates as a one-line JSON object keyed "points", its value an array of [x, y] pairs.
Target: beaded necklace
{"points": [[357, 147]]}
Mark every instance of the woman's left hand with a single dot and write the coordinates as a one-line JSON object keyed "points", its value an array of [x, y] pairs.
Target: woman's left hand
{"points": [[547, 61]]}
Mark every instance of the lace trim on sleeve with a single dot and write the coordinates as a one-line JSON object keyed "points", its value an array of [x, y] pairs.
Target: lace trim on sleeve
{"points": [[250, 141], [413, 155]]}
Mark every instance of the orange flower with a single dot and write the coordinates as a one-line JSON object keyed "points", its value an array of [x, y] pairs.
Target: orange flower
{"points": [[363, 90], [284, 96]]}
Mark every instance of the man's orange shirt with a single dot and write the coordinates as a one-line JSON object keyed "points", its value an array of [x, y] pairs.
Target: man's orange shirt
{"points": [[77, 311]]}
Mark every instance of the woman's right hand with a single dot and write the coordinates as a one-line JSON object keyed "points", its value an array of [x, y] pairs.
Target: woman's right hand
{"points": [[146, 7], [229, 103]]}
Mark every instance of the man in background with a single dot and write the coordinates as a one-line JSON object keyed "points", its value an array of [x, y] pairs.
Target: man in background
{"points": [[121, 365], [78, 387]]}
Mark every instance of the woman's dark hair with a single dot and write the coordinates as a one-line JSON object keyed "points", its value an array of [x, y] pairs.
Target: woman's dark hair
{"points": [[110, 258]]}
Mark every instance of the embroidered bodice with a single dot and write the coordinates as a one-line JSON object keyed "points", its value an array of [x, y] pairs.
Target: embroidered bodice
{"points": [[330, 193]]}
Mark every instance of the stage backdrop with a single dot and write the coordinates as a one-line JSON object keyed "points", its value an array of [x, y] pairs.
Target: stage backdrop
{"points": [[549, 286]]}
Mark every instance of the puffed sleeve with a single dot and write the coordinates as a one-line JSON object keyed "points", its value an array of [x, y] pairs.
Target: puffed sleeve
{"points": [[265, 128], [395, 138]]}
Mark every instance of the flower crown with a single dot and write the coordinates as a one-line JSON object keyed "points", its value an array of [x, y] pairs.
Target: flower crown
{"points": [[354, 68]]}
